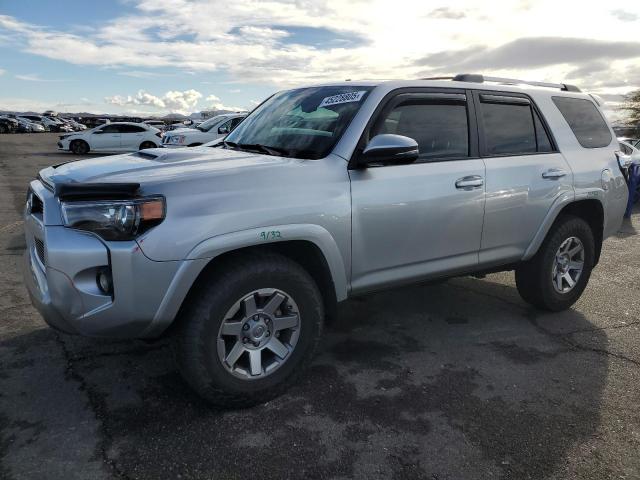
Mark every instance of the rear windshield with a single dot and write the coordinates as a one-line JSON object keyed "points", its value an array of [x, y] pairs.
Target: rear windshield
{"points": [[585, 121]]}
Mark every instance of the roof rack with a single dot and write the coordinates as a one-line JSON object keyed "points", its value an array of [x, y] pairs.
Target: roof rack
{"points": [[477, 78]]}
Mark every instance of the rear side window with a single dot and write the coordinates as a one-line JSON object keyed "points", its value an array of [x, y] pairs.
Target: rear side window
{"points": [[585, 121], [440, 128], [508, 127], [131, 129], [512, 126]]}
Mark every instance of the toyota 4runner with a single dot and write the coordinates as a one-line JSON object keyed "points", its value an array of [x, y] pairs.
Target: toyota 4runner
{"points": [[320, 194]]}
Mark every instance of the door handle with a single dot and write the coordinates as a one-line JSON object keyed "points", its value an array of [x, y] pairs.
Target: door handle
{"points": [[553, 173], [472, 181]]}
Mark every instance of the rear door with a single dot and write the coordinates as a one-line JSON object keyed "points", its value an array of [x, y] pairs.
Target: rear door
{"points": [[106, 138], [525, 173], [131, 136], [422, 219]]}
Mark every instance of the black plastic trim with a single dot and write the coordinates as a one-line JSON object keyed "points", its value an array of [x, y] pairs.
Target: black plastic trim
{"points": [[96, 191]]}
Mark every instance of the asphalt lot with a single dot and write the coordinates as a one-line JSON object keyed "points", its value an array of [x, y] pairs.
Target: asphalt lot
{"points": [[460, 380]]}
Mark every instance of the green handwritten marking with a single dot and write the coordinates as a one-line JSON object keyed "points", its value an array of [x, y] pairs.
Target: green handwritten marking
{"points": [[270, 235]]}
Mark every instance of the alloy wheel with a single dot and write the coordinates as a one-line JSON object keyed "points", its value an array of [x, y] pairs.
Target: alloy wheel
{"points": [[568, 265], [258, 333]]}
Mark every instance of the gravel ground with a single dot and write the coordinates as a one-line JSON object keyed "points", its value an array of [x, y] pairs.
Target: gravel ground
{"points": [[460, 380]]}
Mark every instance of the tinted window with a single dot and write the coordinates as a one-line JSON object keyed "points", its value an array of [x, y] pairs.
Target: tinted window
{"points": [[131, 129], [441, 130], [110, 129], [542, 138], [508, 128], [585, 121]]}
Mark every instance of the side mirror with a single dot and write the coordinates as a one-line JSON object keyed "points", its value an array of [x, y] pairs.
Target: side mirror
{"points": [[389, 148], [223, 130]]}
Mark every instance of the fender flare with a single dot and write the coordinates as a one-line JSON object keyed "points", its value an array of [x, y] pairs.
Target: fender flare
{"points": [[560, 203], [207, 250]]}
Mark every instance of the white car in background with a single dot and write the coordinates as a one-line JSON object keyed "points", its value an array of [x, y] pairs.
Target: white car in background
{"points": [[630, 150], [209, 130], [112, 137]]}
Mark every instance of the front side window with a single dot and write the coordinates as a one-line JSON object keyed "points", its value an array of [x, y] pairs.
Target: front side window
{"points": [[585, 121], [300, 123], [110, 129], [210, 123], [440, 128]]}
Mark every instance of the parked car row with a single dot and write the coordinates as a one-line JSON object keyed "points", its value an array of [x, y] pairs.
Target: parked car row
{"points": [[15, 123]]}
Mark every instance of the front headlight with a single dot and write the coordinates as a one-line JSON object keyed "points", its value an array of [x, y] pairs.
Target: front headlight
{"points": [[115, 219], [177, 139]]}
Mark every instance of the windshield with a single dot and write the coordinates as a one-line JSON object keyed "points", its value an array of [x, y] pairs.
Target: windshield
{"points": [[301, 123], [207, 124]]}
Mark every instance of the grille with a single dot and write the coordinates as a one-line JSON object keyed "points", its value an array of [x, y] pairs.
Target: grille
{"points": [[39, 244]]}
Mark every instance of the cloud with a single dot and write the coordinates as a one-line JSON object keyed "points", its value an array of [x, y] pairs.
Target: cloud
{"points": [[447, 13], [174, 101], [2, 71], [624, 15], [532, 53], [283, 43], [214, 103], [34, 77]]}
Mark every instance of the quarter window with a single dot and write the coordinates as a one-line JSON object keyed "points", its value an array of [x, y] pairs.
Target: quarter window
{"points": [[585, 121], [440, 128]]}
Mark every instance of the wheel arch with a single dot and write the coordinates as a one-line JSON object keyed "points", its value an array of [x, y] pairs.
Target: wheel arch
{"points": [[590, 210], [309, 245]]}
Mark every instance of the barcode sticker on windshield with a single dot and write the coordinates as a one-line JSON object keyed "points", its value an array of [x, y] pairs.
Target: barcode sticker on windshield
{"points": [[342, 98]]}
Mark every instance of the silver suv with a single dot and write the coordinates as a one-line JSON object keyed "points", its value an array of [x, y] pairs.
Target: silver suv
{"points": [[242, 250]]}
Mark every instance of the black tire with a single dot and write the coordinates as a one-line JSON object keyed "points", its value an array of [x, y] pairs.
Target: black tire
{"points": [[3, 128], [79, 147], [534, 277], [194, 145], [145, 145], [196, 337]]}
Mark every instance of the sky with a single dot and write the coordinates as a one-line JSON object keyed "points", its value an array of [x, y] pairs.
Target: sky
{"points": [[152, 57]]}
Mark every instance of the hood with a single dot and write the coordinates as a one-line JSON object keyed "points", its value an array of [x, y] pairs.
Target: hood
{"points": [[158, 165]]}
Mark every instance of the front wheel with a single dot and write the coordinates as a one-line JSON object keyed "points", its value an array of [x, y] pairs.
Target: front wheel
{"points": [[556, 276], [249, 330], [79, 147]]}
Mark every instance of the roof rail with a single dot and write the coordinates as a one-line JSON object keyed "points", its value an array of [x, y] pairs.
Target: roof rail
{"points": [[476, 78]]}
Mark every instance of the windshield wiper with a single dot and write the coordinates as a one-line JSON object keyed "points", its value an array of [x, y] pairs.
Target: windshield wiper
{"points": [[229, 144], [279, 152]]}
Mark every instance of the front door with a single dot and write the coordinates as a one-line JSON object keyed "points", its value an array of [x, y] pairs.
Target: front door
{"points": [[106, 138], [423, 219]]}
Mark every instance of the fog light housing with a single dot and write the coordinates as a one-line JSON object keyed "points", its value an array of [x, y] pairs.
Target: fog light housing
{"points": [[104, 281]]}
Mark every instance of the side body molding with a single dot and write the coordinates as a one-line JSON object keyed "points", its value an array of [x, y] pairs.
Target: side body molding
{"points": [[205, 251]]}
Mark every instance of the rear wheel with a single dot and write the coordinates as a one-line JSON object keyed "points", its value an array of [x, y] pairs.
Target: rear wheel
{"points": [[556, 276], [79, 147], [147, 144], [250, 330]]}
